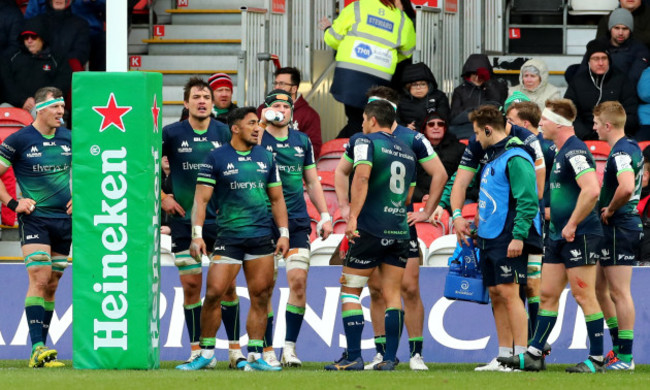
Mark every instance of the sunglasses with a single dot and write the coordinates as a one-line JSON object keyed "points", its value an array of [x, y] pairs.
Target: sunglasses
{"points": [[436, 123], [29, 36]]}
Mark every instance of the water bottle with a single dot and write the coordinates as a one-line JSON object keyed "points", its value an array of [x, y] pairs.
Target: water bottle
{"points": [[469, 259], [273, 116], [455, 266]]}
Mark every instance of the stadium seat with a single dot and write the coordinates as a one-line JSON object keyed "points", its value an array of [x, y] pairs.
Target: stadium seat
{"points": [[13, 119], [322, 250], [440, 251], [464, 141], [600, 170], [314, 217], [333, 149], [599, 149], [326, 180], [429, 232], [592, 7], [644, 144], [537, 6], [327, 164], [469, 211]]}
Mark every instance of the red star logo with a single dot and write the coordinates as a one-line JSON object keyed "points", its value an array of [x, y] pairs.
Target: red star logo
{"points": [[112, 114], [155, 111]]}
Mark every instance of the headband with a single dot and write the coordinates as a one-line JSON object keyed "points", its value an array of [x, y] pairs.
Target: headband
{"points": [[375, 98], [48, 103], [553, 117]]}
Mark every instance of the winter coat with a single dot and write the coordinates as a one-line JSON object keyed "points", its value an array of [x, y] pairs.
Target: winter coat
{"points": [[588, 91], [641, 25], [630, 58], [412, 109], [70, 35], [11, 23], [450, 151], [643, 91], [544, 90]]}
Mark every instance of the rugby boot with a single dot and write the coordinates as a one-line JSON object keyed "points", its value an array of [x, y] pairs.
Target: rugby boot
{"points": [[346, 365], [589, 366], [524, 361], [617, 364]]}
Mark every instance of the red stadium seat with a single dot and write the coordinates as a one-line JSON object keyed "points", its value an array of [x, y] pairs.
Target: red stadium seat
{"points": [[464, 141], [599, 149], [327, 164], [600, 170], [13, 119], [428, 232], [334, 148], [644, 144], [469, 211], [338, 223], [326, 180]]}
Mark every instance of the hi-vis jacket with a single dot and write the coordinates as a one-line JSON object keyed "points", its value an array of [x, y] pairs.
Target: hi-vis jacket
{"points": [[371, 38]]}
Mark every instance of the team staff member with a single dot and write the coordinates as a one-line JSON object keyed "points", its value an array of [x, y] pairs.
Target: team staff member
{"points": [[370, 37], [243, 178], [573, 248], [622, 226], [294, 157], [510, 225], [43, 212], [186, 145], [385, 168]]}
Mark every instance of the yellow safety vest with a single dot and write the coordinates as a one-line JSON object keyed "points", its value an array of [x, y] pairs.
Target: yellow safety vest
{"points": [[371, 38]]}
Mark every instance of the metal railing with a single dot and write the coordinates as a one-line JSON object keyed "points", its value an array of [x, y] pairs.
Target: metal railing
{"points": [[251, 72]]}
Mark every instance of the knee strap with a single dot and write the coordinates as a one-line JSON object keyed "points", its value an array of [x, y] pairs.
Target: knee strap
{"points": [[187, 265], [353, 281], [298, 258]]}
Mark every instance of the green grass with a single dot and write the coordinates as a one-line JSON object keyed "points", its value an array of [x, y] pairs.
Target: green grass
{"points": [[14, 374]]}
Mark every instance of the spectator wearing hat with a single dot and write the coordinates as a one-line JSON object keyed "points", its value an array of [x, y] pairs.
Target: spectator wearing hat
{"points": [[601, 82], [305, 118], [533, 82], [641, 14], [628, 54], [32, 67], [222, 90], [420, 95]]}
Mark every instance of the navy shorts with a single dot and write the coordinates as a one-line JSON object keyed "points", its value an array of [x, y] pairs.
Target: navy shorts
{"points": [[369, 251], [236, 250], [182, 235], [497, 268], [55, 232], [584, 250], [619, 246], [299, 231], [414, 244]]}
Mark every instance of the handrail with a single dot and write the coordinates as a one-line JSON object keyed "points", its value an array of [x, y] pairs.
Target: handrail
{"points": [[330, 69]]}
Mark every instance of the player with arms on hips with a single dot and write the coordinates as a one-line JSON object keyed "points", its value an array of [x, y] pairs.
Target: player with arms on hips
{"points": [[622, 227], [41, 156], [294, 157], [413, 307], [243, 178], [573, 249], [382, 186], [186, 145]]}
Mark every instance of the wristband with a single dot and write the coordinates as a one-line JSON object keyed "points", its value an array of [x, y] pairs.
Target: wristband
{"points": [[197, 232], [12, 204], [457, 214], [284, 232], [325, 217], [262, 125]]}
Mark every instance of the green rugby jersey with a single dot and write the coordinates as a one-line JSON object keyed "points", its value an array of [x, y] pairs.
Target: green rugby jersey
{"points": [[42, 168], [625, 156], [393, 171], [186, 150], [240, 181]]}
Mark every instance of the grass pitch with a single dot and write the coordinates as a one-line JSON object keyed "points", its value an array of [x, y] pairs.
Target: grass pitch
{"points": [[14, 374]]}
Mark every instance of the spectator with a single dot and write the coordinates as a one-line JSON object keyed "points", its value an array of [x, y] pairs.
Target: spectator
{"points": [[222, 89], [533, 82], [70, 35], [641, 14], [598, 83], [445, 144], [643, 91], [11, 21], [478, 87], [370, 37], [628, 54], [32, 67], [420, 96], [305, 118]]}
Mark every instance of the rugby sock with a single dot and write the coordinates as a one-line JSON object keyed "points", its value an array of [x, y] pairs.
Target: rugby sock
{"points": [[293, 317], [533, 308], [255, 346], [193, 321], [505, 351], [415, 345], [612, 324], [625, 339], [595, 327], [353, 325], [546, 320], [34, 311], [268, 334], [394, 321], [230, 318], [207, 346], [47, 318], [519, 349], [380, 344]]}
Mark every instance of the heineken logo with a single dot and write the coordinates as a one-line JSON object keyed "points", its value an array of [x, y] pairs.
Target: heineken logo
{"points": [[112, 114]]}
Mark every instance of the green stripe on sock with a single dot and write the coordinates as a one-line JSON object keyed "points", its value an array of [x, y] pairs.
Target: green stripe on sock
{"points": [[624, 357], [349, 313], [547, 313], [34, 301], [594, 317], [295, 309], [208, 341], [255, 343], [48, 305], [230, 304], [416, 339], [392, 308], [612, 322], [380, 340], [626, 334], [270, 314], [192, 306], [533, 300]]}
